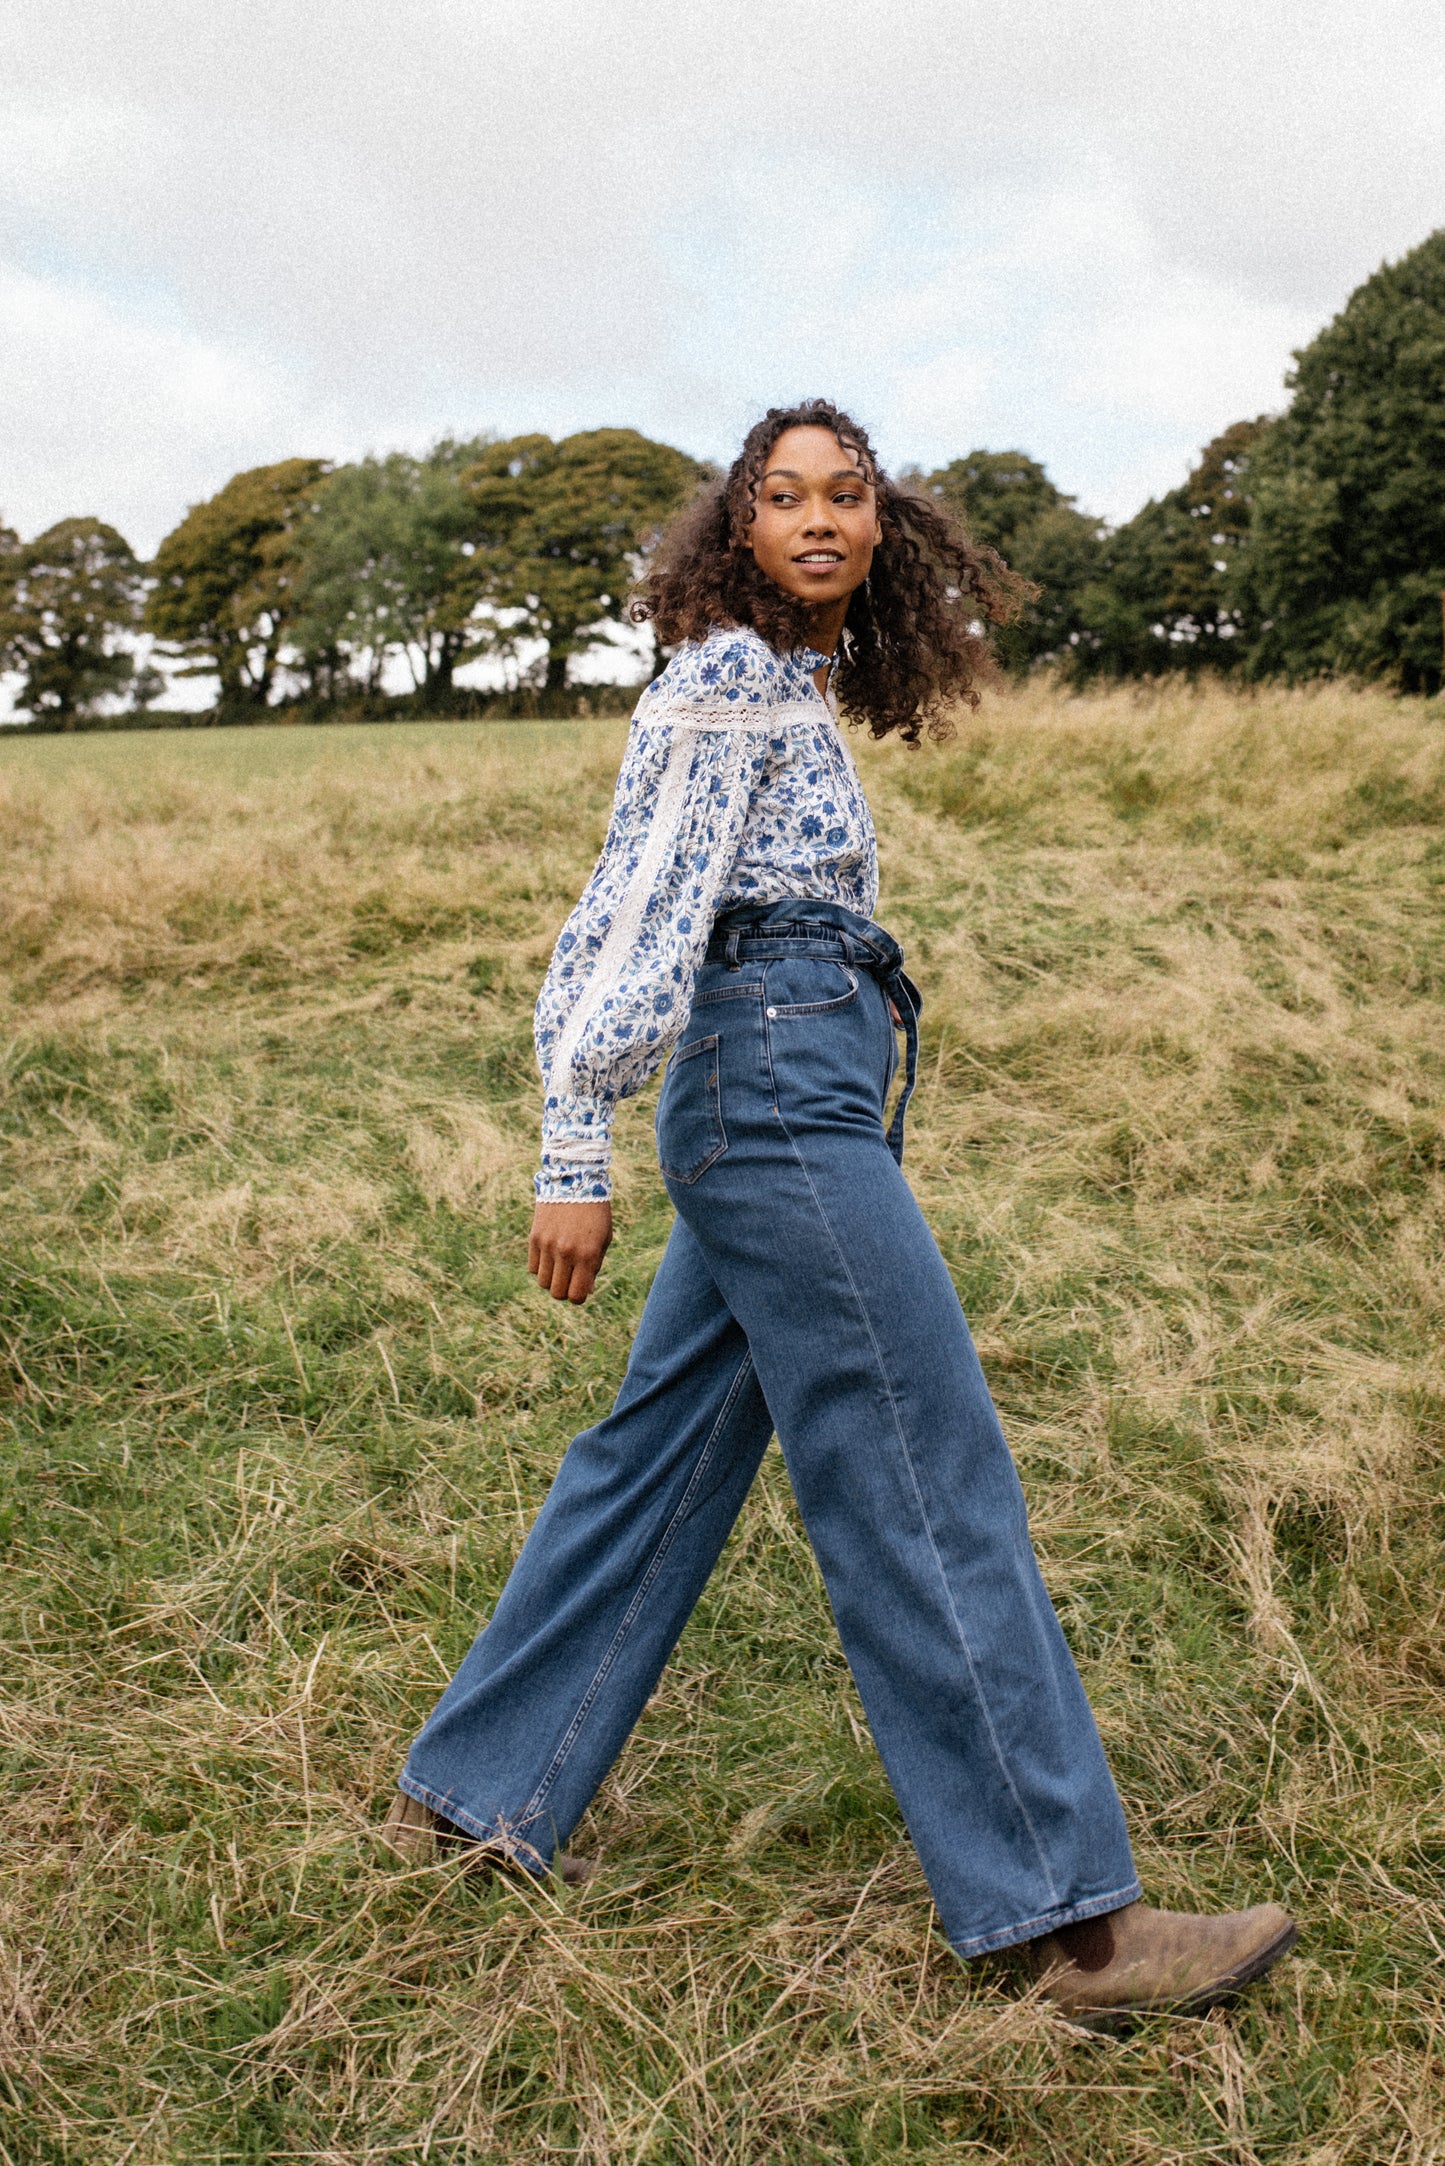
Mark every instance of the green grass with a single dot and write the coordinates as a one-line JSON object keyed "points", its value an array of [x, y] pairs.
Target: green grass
{"points": [[277, 1402]]}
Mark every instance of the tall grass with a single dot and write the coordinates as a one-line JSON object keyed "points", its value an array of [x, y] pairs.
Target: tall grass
{"points": [[279, 1402]]}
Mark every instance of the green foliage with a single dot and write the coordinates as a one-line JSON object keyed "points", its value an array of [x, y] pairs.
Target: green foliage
{"points": [[1005, 499], [476, 547], [223, 593], [1347, 557], [1165, 594], [562, 527], [386, 562], [68, 602]]}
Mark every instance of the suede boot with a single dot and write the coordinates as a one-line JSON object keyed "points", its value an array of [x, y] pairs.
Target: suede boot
{"points": [[1103, 1972], [418, 1836]]}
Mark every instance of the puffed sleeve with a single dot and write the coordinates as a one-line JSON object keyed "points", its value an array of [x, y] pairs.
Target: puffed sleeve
{"points": [[620, 984]]}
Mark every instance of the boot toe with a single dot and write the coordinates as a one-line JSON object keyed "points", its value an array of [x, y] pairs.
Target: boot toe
{"points": [[1265, 1934], [1159, 1962]]}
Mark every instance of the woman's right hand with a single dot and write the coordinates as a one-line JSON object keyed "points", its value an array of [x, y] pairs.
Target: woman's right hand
{"points": [[568, 1243]]}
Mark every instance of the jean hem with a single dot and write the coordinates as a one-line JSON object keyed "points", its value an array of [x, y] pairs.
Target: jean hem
{"points": [[517, 1852], [1011, 1936]]}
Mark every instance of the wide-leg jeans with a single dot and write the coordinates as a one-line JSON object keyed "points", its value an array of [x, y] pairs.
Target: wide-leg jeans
{"points": [[801, 1291]]}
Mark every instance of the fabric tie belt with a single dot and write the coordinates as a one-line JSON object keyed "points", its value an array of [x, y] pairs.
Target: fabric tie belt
{"points": [[774, 932]]}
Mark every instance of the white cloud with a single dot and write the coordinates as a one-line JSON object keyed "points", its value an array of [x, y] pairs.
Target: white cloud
{"points": [[104, 413], [1094, 231]]}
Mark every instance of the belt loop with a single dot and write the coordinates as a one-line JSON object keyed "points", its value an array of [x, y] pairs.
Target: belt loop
{"points": [[732, 950]]}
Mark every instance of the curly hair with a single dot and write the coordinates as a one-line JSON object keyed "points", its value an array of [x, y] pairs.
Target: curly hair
{"points": [[914, 642]]}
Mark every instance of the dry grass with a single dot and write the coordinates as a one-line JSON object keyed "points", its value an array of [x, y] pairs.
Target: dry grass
{"points": [[278, 1402]]}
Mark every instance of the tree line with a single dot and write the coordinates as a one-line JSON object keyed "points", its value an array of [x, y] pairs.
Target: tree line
{"points": [[1307, 543], [1304, 544]]}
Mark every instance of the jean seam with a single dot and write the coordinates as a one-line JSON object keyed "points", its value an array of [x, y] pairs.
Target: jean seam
{"points": [[899, 1430], [532, 1810]]}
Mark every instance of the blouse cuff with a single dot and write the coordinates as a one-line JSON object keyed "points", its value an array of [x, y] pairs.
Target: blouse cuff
{"points": [[576, 1150]]}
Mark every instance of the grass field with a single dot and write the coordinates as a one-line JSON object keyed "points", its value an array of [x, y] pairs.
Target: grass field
{"points": [[278, 1401]]}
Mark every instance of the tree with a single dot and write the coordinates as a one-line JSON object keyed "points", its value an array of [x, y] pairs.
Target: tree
{"points": [[561, 529], [1166, 594], [70, 601], [223, 580], [388, 560], [9, 563], [1006, 500], [1346, 558]]}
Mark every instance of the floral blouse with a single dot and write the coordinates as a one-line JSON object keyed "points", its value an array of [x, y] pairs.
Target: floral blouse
{"points": [[736, 787]]}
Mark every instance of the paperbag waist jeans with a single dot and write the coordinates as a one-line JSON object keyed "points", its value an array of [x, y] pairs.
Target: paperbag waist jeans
{"points": [[801, 1291]]}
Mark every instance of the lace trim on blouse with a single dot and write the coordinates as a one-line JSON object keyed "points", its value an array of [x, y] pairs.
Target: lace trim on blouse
{"points": [[607, 971], [778, 714]]}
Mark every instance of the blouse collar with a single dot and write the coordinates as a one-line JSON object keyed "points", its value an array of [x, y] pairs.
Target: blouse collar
{"points": [[809, 659]]}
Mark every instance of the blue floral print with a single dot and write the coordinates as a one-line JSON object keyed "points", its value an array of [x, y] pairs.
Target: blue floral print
{"points": [[736, 786]]}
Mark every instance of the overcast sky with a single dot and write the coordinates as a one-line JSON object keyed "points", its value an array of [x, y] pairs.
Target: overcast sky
{"points": [[234, 232]]}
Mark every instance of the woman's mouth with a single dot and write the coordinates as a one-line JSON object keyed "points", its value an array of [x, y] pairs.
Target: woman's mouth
{"points": [[822, 558]]}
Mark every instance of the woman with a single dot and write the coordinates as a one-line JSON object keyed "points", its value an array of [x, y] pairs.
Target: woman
{"points": [[729, 919]]}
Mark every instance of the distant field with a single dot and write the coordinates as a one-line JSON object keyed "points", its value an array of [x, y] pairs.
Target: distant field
{"points": [[277, 1402]]}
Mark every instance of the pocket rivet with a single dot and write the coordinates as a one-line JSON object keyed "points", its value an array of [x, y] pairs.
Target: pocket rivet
{"points": [[772, 1011]]}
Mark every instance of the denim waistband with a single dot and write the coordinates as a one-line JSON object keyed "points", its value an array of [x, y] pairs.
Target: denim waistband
{"points": [[774, 932]]}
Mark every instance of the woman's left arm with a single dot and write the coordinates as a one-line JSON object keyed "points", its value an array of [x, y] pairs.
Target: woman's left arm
{"points": [[620, 985]]}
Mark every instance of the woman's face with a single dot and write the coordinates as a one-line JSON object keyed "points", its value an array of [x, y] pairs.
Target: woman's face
{"points": [[815, 525]]}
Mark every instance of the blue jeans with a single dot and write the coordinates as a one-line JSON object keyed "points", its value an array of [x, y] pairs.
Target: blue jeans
{"points": [[800, 1291]]}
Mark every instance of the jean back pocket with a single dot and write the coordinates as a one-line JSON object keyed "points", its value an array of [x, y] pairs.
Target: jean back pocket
{"points": [[690, 1133]]}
